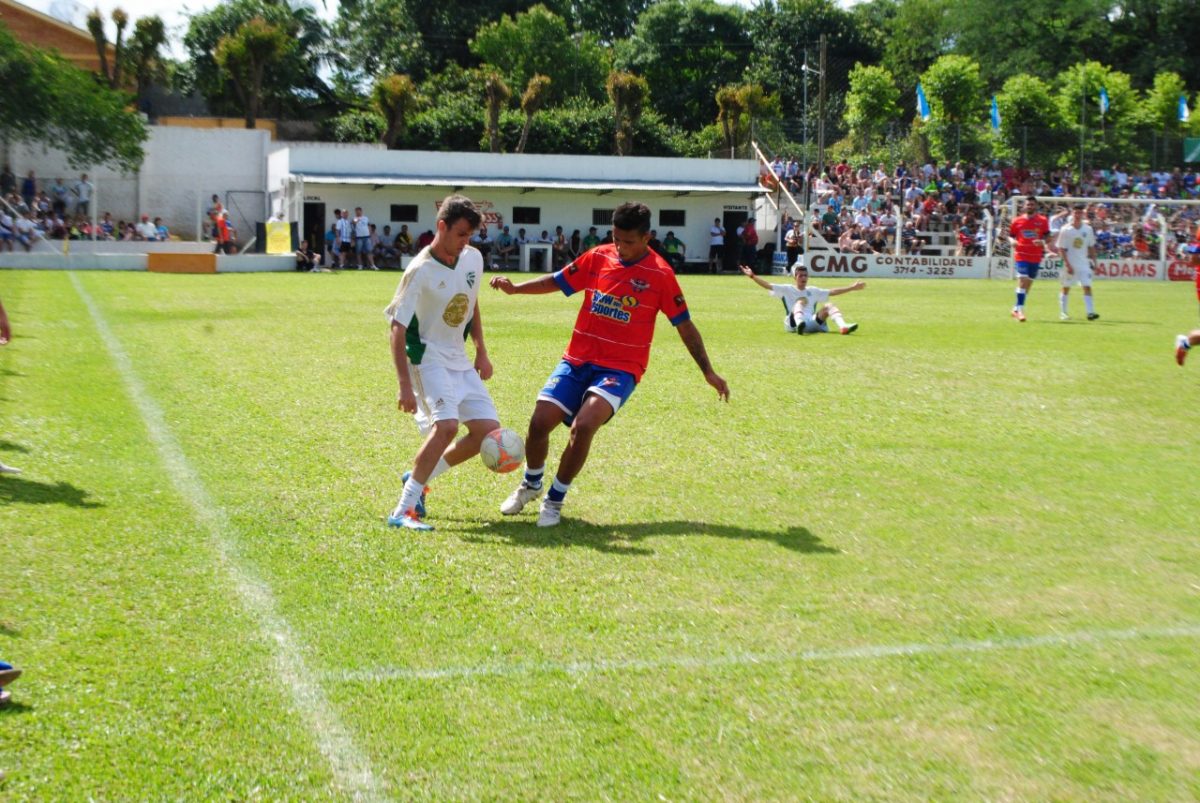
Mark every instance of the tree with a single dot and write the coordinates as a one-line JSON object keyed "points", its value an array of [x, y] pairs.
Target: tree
{"points": [[785, 33], [396, 98], [149, 36], [628, 93], [537, 42], [608, 20], [95, 24], [44, 98], [1160, 109], [497, 94], [871, 103], [245, 56], [956, 100], [1107, 138], [1041, 37], [531, 100], [1032, 127], [686, 50], [729, 115], [915, 37], [1147, 37], [291, 87]]}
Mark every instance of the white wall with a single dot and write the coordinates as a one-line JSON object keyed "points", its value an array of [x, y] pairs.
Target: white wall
{"points": [[183, 166]]}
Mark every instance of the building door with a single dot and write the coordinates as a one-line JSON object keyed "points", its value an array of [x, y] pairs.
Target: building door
{"points": [[315, 226], [733, 244]]}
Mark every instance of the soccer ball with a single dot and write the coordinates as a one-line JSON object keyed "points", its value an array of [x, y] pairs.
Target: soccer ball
{"points": [[502, 450]]}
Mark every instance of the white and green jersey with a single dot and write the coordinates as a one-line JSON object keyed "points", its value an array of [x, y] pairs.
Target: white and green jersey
{"points": [[436, 303], [812, 296]]}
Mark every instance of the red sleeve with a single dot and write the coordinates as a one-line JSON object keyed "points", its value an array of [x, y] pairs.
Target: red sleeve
{"points": [[579, 274], [672, 303]]}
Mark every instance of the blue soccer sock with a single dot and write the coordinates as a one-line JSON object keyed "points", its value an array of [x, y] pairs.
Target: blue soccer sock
{"points": [[558, 490], [1020, 299], [533, 476]]}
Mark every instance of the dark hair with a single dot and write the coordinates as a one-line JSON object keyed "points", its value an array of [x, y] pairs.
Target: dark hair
{"points": [[459, 207], [632, 217]]}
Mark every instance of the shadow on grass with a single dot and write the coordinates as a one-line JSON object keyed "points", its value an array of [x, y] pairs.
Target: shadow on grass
{"points": [[17, 489], [615, 538], [14, 707], [9, 446]]}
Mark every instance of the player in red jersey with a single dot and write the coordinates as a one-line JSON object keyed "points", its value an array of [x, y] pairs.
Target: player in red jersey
{"points": [[625, 286], [1029, 235], [1184, 343]]}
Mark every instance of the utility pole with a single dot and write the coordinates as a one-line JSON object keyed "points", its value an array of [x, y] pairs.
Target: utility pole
{"points": [[821, 109]]}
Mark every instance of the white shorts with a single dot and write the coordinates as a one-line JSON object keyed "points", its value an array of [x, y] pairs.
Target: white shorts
{"points": [[447, 395], [812, 325], [1081, 275]]}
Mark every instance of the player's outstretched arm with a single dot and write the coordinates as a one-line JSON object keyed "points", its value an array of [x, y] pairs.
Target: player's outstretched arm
{"points": [[748, 271], [690, 336], [545, 284], [859, 285]]}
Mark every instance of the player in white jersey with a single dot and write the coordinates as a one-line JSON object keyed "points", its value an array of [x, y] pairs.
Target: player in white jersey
{"points": [[434, 310], [1076, 244], [808, 310]]}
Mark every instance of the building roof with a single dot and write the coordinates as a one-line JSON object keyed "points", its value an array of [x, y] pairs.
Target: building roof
{"points": [[32, 27], [527, 184]]}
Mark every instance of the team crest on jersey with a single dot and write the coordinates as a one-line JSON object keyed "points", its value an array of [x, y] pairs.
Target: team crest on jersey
{"points": [[612, 307], [640, 284], [679, 300], [572, 268], [456, 311], [470, 278]]}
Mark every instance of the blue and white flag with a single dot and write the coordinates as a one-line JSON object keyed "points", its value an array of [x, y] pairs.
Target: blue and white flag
{"points": [[995, 115], [1103, 100], [1184, 111], [922, 103]]}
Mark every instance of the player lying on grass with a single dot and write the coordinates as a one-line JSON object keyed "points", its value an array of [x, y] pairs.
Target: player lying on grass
{"points": [[435, 308], [625, 285], [807, 308]]}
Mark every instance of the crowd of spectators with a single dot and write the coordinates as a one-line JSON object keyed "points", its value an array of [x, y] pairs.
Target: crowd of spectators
{"points": [[31, 211], [865, 210]]}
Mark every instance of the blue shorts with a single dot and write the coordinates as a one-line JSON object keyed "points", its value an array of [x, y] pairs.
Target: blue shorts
{"points": [[569, 383], [1028, 269], [364, 245]]}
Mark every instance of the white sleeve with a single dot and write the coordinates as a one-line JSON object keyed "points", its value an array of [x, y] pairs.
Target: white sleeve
{"points": [[404, 304]]}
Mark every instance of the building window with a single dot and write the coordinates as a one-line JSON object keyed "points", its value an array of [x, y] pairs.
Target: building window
{"points": [[404, 213], [529, 215], [672, 217], [602, 217]]}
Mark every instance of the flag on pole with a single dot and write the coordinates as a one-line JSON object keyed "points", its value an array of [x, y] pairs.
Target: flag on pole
{"points": [[922, 103], [1184, 111], [1103, 100], [995, 114]]}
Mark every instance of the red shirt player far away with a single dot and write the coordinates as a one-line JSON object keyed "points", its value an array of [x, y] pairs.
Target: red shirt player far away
{"points": [[625, 285], [1028, 236]]}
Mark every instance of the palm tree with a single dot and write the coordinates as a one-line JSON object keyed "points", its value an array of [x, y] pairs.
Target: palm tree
{"points": [[628, 93], [497, 94], [532, 100], [245, 55], [396, 98]]}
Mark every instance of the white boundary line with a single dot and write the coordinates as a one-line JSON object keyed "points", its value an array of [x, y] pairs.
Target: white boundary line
{"points": [[864, 653], [351, 770]]}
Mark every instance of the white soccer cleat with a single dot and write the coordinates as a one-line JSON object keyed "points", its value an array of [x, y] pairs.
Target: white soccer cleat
{"points": [[550, 514], [14, 470], [1062, 316], [519, 498]]}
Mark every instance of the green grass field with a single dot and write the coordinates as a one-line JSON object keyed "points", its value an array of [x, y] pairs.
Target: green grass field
{"points": [[949, 557]]}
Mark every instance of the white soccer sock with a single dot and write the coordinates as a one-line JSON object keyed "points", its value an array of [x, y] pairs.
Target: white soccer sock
{"points": [[1062, 302], [1090, 304], [441, 468], [839, 320], [409, 498]]}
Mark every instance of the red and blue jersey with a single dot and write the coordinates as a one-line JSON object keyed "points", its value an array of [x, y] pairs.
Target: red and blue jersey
{"points": [[1027, 230], [615, 325]]}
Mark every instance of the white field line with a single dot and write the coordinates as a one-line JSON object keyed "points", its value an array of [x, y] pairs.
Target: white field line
{"points": [[863, 653], [351, 770]]}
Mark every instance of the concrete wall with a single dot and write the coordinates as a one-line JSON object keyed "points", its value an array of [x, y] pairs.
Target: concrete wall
{"points": [[184, 167]]}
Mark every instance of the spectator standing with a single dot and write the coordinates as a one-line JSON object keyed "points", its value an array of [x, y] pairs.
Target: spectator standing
{"points": [[748, 234], [716, 245], [83, 195], [362, 239], [345, 229], [58, 196], [8, 181], [29, 189], [591, 240]]}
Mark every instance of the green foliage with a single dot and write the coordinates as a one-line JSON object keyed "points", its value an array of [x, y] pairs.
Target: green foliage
{"points": [[871, 103], [686, 50], [1147, 37], [396, 98], [496, 94], [916, 37], [356, 125], [608, 20], [1032, 127], [290, 87], [628, 93], [957, 104], [1107, 139], [1160, 109], [538, 42], [246, 54], [46, 99]]}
